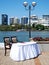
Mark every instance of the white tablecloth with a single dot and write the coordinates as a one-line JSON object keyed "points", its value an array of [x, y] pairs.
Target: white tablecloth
{"points": [[22, 51]]}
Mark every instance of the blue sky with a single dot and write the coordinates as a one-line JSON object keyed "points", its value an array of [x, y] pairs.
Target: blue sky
{"points": [[15, 8]]}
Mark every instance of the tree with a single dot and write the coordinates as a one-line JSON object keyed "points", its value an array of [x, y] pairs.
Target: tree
{"points": [[39, 27], [33, 25]]}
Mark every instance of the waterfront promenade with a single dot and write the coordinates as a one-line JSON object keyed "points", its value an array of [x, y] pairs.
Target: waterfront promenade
{"points": [[42, 59]]}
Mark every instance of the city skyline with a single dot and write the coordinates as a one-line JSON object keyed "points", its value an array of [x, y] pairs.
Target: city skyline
{"points": [[15, 8]]}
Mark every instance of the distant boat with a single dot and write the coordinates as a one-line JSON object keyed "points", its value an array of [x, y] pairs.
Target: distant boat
{"points": [[20, 30]]}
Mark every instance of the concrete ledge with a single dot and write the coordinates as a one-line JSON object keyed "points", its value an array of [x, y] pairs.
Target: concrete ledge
{"points": [[43, 45], [42, 42], [1, 45]]}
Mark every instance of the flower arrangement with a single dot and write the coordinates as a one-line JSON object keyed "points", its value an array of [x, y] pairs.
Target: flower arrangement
{"points": [[37, 38], [40, 39]]}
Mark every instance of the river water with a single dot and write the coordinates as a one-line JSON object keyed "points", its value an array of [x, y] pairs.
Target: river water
{"points": [[23, 35]]}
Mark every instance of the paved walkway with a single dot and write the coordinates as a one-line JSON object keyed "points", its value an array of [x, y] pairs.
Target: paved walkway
{"points": [[42, 59]]}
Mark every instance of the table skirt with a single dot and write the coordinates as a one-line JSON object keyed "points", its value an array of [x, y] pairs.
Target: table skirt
{"points": [[24, 52]]}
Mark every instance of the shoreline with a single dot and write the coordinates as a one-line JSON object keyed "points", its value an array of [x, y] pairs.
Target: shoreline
{"points": [[23, 30]]}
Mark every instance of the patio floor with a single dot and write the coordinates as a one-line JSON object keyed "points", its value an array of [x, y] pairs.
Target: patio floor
{"points": [[42, 59]]}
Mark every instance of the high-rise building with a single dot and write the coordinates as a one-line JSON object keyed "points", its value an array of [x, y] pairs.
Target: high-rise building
{"points": [[14, 20], [34, 19], [11, 21], [4, 19], [24, 20], [46, 17], [43, 22]]}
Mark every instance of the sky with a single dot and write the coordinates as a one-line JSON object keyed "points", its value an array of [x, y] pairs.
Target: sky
{"points": [[15, 8]]}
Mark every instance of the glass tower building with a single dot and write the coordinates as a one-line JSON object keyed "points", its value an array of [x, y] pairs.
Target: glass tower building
{"points": [[24, 20], [4, 19]]}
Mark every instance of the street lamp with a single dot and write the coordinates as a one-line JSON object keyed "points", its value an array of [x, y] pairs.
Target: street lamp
{"points": [[29, 8]]}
